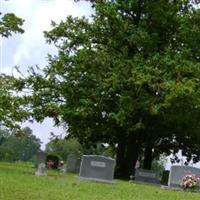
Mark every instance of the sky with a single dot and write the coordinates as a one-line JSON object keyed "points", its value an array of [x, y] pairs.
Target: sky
{"points": [[30, 48]]}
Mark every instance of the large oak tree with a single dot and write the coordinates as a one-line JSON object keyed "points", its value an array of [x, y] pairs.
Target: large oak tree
{"points": [[129, 76]]}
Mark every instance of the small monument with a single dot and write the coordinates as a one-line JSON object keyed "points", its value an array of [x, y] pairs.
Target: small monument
{"points": [[62, 166], [41, 170]]}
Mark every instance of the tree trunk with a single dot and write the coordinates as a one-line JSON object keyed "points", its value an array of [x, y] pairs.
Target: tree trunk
{"points": [[120, 160], [132, 152], [147, 157], [127, 155]]}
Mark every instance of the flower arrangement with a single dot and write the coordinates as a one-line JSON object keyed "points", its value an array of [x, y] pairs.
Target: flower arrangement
{"points": [[190, 182], [50, 163]]}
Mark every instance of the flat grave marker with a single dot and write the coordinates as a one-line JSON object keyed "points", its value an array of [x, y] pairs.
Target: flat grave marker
{"points": [[147, 176]]}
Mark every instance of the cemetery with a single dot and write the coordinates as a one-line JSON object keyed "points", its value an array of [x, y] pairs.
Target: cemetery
{"points": [[90, 176], [114, 87], [19, 182]]}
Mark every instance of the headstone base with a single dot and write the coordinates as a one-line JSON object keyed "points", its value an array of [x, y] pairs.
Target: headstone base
{"points": [[176, 188], [40, 174], [147, 183], [97, 180], [171, 188]]}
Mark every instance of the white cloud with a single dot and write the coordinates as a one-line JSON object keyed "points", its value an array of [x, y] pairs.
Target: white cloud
{"points": [[23, 53], [1, 41], [38, 15], [30, 48], [32, 41]]}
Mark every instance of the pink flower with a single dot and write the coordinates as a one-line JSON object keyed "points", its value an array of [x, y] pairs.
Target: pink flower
{"points": [[189, 181]]}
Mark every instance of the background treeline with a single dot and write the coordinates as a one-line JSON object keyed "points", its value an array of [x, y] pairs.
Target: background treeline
{"points": [[18, 146]]}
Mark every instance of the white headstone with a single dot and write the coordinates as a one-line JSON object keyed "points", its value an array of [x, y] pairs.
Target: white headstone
{"points": [[41, 170]]}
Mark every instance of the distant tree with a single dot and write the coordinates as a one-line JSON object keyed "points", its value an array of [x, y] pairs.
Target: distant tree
{"points": [[20, 147], [6, 153], [99, 149], [64, 147], [4, 133]]}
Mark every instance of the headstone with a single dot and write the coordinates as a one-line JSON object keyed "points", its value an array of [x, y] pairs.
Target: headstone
{"points": [[97, 168], [41, 170], [63, 168], [147, 176], [178, 172], [137, 164], [165, 177], [78, 164], [132, 178], [40, 158], [73, 163]]}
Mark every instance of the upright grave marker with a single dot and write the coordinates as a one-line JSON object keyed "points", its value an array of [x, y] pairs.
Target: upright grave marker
{"points": [[73, 163], [41, 170], [97, 168], [178, 172]]}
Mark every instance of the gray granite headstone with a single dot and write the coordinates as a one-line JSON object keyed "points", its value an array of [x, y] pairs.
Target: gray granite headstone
{"points": [[73, 163], [178, 172], [78, 164], [40, 158], [147, 176], [41, 170], [97, 168]]}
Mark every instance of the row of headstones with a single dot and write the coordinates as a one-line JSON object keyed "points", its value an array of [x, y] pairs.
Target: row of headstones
{"points": [[72, 164], [100, 168], [171, 179], [90, 167]]}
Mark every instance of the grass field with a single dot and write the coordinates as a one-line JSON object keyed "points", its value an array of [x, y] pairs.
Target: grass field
{"points": [[17, 182]]}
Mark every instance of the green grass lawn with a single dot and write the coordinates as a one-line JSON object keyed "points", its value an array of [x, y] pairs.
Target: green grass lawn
{"points": [[17, 182]]}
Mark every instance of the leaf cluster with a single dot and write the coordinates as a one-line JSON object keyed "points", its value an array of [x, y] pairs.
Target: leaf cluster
{"points": [[10, 23]]}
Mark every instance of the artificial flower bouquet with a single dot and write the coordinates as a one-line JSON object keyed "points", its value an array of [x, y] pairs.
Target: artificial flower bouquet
{"points": [[190, 182]]}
